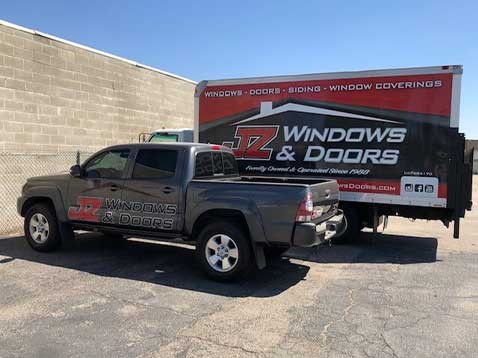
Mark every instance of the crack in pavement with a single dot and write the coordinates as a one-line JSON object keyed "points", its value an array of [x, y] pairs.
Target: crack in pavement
{"points": [[138, 304], [343, 318], [387, 344], [222, 344]]}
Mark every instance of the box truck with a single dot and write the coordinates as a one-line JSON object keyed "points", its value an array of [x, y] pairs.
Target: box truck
{"points": [[389, 137]]}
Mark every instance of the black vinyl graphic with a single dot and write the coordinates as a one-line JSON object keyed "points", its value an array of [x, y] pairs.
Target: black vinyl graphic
{"points": [[357, 148]]}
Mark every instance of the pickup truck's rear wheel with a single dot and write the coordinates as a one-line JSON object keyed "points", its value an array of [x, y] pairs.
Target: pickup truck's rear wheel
{"points": [[41, 228], [224, 251]]}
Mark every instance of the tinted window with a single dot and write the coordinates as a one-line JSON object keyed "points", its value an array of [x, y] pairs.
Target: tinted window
{"points": [[109, 164], [217, 166], [230, 164], [164, 137], [203, 165], [155, 163], [215, 163]]}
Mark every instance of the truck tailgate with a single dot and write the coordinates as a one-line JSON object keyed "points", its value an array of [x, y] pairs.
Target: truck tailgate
{"points": [[325, 192]]}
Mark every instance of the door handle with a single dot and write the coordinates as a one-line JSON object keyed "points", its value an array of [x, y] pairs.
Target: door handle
{"points": [[114, 187], [167, 190]]}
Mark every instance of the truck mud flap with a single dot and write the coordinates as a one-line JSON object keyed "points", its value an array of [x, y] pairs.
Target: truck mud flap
{"points": [[258, 251]]}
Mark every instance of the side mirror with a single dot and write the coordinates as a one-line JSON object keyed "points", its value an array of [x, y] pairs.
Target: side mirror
{"points": [[75, 170]]}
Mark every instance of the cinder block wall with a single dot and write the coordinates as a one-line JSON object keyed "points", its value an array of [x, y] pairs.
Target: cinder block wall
{"points": [[57, 96]]}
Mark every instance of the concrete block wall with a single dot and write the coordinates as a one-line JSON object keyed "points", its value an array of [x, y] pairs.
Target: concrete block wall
{"points": [[57, 96]]}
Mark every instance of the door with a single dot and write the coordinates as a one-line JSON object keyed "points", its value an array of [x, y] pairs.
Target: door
{"points": [[94, 196], [152, 192]]}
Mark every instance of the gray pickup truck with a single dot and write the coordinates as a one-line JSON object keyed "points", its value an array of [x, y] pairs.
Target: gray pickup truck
{"points": [[182, 191]]}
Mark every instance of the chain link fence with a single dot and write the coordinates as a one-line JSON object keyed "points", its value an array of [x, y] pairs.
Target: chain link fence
{"points": [[14, 171]]}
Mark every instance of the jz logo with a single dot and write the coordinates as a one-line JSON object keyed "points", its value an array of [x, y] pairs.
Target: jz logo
{"points": [[252, 142], [87, 210]]}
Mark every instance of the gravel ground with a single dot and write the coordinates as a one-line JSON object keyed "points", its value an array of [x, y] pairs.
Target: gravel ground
{"points": [[412, 292]]}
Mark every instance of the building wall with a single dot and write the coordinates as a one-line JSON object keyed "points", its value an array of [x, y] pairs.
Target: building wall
{"points": [[57, 96]]}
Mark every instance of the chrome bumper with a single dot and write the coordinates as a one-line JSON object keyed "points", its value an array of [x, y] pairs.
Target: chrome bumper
{"points": [[328, 229], [309, 234]]}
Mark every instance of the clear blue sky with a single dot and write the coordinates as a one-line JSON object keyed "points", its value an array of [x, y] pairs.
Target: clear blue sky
{"points": [[223, 39]]}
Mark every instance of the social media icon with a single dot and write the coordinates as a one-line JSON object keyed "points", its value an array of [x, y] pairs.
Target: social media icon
{"points": [[408, 187], [428, 188], [419, 188]]}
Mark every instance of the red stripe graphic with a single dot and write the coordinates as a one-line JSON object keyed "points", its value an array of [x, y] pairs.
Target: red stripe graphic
{"points": [[392, 92], [379, 187], [369, 186]]}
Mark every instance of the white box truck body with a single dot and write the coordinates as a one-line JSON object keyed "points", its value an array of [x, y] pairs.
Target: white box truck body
{"points": [[389, 137]]}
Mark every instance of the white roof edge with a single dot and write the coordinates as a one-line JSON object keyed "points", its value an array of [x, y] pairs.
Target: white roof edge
{"points": [[456, 69], [71, 43], [172, 129]]}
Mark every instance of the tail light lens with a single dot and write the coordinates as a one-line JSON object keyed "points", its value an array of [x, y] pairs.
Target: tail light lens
{"points": [[306, 209]]}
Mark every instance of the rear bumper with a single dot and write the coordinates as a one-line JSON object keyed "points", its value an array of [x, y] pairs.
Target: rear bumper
{"points": [[310, 234]]}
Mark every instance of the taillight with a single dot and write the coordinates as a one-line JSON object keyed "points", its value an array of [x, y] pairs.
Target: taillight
{"points": [[306, 209]]}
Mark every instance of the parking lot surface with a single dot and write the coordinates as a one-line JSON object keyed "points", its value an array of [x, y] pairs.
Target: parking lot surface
{"points": [[411, 292]]}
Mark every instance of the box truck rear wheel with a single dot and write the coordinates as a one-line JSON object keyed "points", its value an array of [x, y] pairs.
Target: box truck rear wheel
{"points": [[353, 226]]}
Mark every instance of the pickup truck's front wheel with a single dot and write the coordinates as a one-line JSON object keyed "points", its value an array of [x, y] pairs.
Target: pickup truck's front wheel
{"points": [[224, 251], [41, 228]]}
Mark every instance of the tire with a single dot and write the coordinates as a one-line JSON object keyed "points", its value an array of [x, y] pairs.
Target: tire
{"points": [[224, 252], [352, 231], [273, 252], [41, 228]]}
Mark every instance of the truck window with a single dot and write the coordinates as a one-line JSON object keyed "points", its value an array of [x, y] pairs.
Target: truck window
{"points": [[203, 165], [110, 164], [217, 166], [164, 137], [215, 163], [230, 164], [155, 164]]}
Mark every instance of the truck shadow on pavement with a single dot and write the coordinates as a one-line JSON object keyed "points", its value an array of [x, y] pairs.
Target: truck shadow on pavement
{"points": [[373, 249], [173, 265], [170, 265]]}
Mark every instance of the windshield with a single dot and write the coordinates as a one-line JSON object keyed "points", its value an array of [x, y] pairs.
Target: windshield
{"points": [[164, 137]]}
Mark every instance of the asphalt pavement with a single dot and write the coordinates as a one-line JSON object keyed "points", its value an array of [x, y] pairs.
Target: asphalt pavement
{"points": [[410, 292]]}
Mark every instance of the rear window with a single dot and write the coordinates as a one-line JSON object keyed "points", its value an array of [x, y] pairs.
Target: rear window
{"points": [[155, 164], [230, 164], [215, 163], [217, 166]]}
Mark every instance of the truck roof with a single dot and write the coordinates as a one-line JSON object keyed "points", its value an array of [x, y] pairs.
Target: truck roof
{"points": [[457, 69], [201, 146], [171, 130]]}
